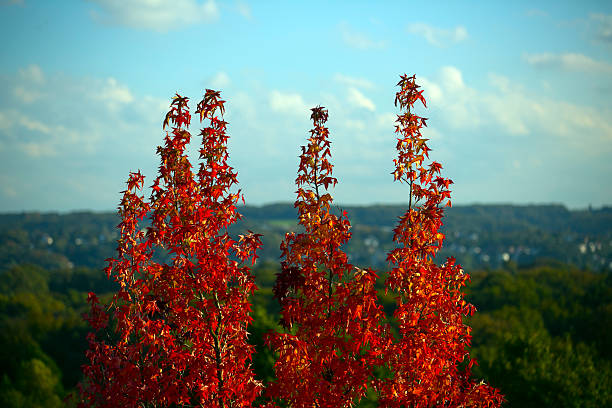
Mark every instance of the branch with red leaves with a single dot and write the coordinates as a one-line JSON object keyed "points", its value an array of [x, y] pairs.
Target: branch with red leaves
{"points": [[329, 307], [175, 333], [181, 326], [433, 340]]}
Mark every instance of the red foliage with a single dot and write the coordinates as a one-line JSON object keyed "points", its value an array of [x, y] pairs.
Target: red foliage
{"points": [[179, 336], [330, 307], [425, 360]]}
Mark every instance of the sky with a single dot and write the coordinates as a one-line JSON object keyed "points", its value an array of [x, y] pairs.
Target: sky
{"points": [[519, 95]]}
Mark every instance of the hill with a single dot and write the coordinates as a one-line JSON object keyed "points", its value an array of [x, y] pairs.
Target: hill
{"points": [[479, 236]]}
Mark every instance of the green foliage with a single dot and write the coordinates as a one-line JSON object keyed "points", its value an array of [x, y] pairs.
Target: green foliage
{"points": [[42, 334], [538, 370], [35, 385], [479, 236], [541, 333], [539, 336]]}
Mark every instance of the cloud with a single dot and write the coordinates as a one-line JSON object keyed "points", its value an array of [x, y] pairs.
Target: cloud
{"points": [[27, 87], [515, 112], [432, 133], [353, 82], [432, 91], [561, 144], [439, 37], [355, 124], [386, 121], [220, 80], [36, 150], [33, 125], [26, 95], [449, 93], [452, 79], [291, 103], [244, 9], [157, 15], [241, 105], [568, 62], [32, 74], [72, 115], [78, 132], [605, 26], [10, 118], [33, 137], [358, 99], [113, 94], [359, 40]]}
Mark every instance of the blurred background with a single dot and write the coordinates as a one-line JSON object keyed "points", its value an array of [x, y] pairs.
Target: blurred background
{"points": [[519, 116]]}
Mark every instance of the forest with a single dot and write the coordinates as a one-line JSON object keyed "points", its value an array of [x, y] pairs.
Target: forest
{"points": [[543, 296], [479, 236]]}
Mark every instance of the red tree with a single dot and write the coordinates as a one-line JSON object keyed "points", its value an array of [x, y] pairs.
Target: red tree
{"points": [[329, 306], [178, 334], [429, 362], [179, 328]]}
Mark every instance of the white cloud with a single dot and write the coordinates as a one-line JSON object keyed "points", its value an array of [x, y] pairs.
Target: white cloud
{"points": [[33, 137], [355, 124], [291, 103], [358, 99], [114, 94], [74, 135], [353, 82], [506, 116], [5, 122], [11, 119], [507, 111], [358, 40], [386, 121], [439, 37], [33, 125], [158, 15], [452, 79], [31, 80], [514, 111], [36, 150], [605, 26], [33, 74], [241, 105], [73, 115], [431, 133], [220, 80], [450, 94], [569, 62], [500, 82], [244, 9], [26, 95], [432, 91]]}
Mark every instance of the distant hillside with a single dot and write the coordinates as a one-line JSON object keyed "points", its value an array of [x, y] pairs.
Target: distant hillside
{"points": [[479, 236]]}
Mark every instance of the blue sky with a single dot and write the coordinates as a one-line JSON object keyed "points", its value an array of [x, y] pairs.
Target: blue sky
{"points": [[518, 94]]}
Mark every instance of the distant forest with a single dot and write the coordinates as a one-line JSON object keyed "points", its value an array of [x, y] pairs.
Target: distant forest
{"points": [[541, 282], [478, 236]]}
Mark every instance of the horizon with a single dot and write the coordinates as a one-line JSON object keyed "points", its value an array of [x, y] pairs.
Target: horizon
{"points": [[518, 96], [340, 205]]}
